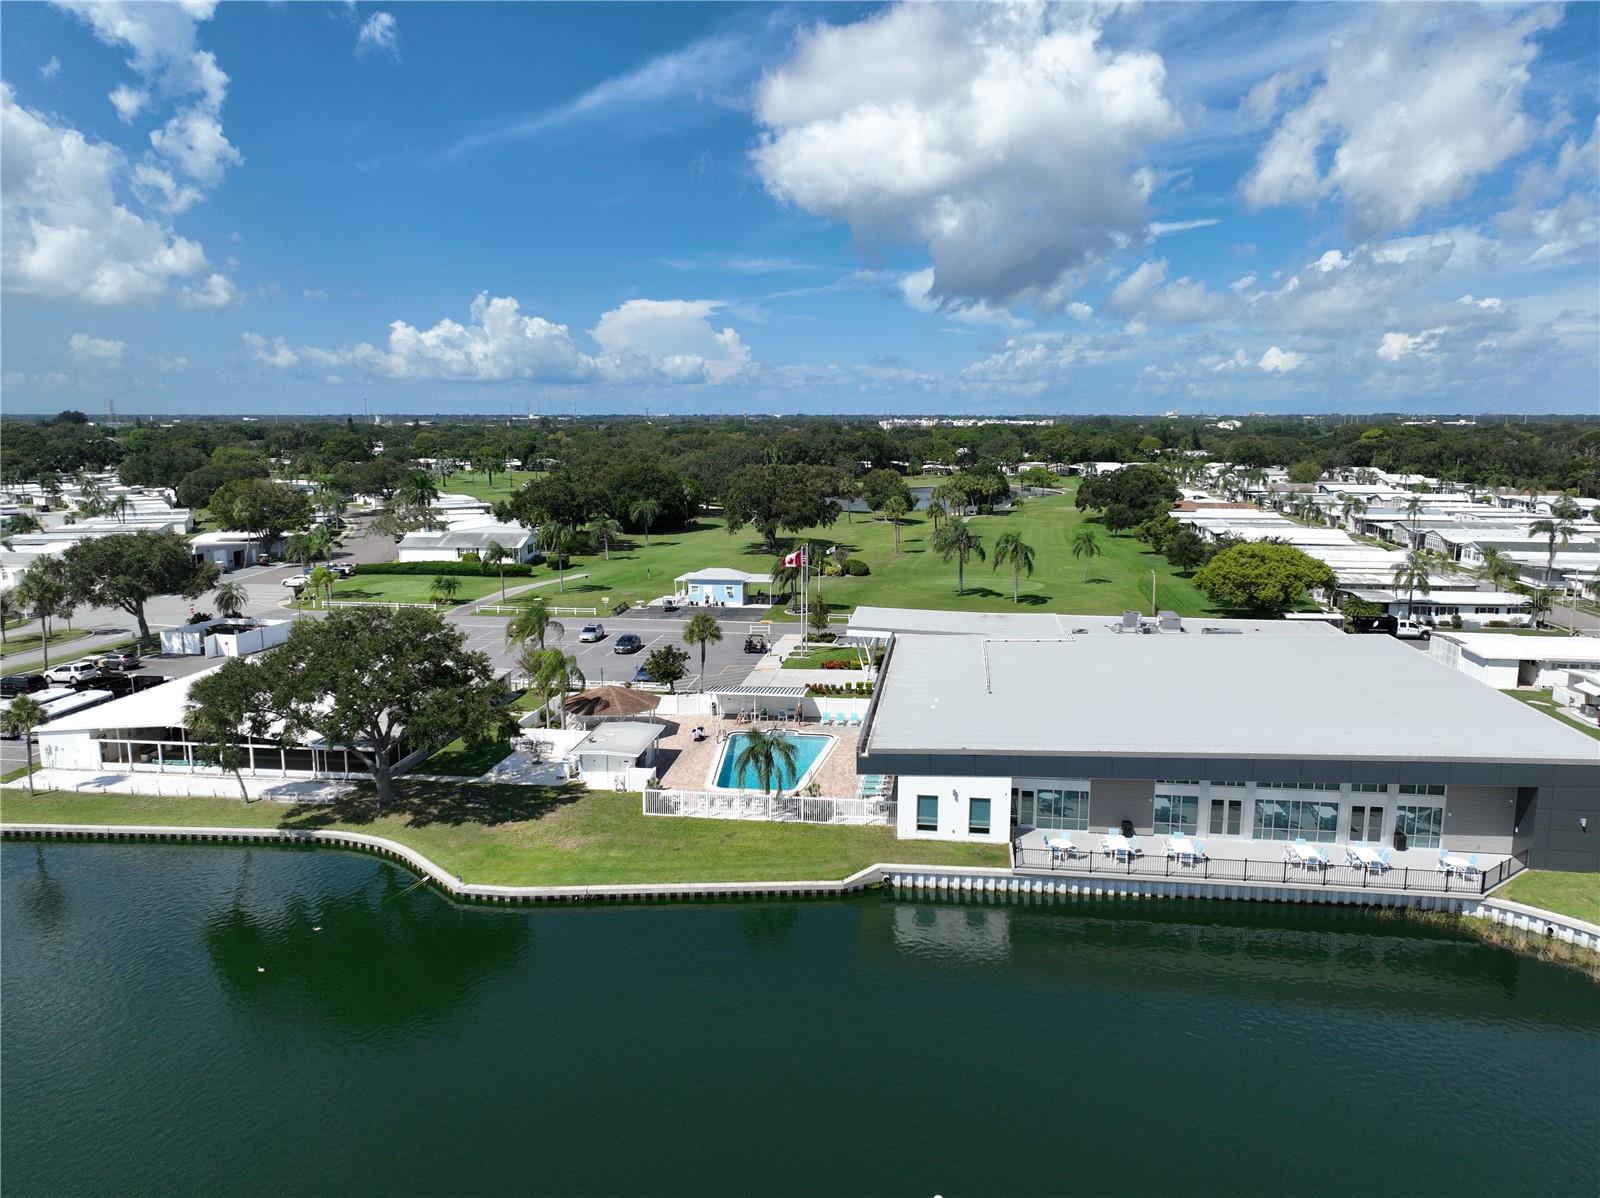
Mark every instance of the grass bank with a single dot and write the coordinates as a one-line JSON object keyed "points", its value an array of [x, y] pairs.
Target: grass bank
{"points": [[538, 836], [1542, 700], [1577, 895], [413, 588], [505, 484]]}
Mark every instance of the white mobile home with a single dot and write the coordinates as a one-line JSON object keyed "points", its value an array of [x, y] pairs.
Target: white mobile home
{"points": [[1505, 661]]}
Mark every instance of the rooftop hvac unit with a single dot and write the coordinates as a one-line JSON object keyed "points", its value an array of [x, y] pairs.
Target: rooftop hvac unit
{"points": [[1222, 631], [1130, 621], [1171, 621]]}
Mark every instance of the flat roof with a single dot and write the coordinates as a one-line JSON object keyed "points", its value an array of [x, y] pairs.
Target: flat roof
{"points": [[1507, 647], [154, 707], [1300, 697], [721, 574], [620, 738], [1050, 625]]}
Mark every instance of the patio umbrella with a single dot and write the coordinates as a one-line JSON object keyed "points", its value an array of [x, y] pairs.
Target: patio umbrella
{"points": [[611, 701]]}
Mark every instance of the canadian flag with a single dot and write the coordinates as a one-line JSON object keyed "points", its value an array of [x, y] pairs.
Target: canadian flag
{"points": [[793, 559]]}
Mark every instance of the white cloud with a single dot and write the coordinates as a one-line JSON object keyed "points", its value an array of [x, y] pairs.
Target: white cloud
{"points": [[1145, 291], [216, 292], [380, 33], [65, 234], [1167, 228], [128, 101], [165, 53], [175, 363], [1005, 140], [276, 353], [160, 190], [917, 289], [50, 69], [315, 293], [1413, 112], [1280, 361], [1395, 346], [674, 337], [95, 349], [1080, 309]]}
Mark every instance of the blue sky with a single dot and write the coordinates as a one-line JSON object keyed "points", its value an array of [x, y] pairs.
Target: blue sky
{"points": [[685, 208]]}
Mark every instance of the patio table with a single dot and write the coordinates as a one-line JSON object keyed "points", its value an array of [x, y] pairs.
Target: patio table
{"points": [[1459, 865], [1117, 846], [1060, 846]]}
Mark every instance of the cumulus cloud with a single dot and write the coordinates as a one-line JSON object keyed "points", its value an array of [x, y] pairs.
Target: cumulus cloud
{"points": [[50, 69], [1006, 140], [917, 290], [380, 33], [95, 349], [217, 291], [128, 101], [674, 337], [1146, 292], [276, 353], [1280, 361], [65, 233], [1405, 117], [642, 340]]}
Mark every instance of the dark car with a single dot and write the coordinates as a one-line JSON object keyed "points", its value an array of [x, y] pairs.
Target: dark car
{"points": [[643, 677], [628, 642], [13, 685], [123, 685], [118, 661]]}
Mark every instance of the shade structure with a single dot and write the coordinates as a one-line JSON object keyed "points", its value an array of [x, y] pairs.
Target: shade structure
{"points": [[601, 701]]}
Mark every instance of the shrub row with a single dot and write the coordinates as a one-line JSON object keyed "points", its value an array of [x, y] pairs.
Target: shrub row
{"points": [[512, 569]]}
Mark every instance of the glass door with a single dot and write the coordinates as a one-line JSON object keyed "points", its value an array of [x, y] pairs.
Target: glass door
{"points": [[1022, 814], [1366, 825]]}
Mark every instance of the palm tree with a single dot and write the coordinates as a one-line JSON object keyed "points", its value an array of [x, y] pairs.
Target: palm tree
{"points": [[769, 755], [418, 490], [604, 530], [702, 630], [895, 509], [299, 548], [1087, 546], [952, 495], [1351, 505], [231, 598], [849, 491], [551, 672], [556, 540], [936, 511], [496, 556], [1558, 526], [787, 577], [1010, 547], [444, 589], [534, 623], [1412, 576], [1414, 507], [645, 512], [1497, 567], [956, 539], [20, 719], [322, 580], [43, 590], [8, 612]]}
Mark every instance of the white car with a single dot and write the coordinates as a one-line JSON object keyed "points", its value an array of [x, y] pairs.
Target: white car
{"points": [[592, 633], [296, 581], [72, 671]]}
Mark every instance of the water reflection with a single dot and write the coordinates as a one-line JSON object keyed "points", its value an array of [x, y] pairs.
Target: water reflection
{"points": [[768, 925], [380, 954], [43, 898], [953, 933]]}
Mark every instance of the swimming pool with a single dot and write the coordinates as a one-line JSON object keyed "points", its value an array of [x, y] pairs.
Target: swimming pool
{"points": [[809, 748]]}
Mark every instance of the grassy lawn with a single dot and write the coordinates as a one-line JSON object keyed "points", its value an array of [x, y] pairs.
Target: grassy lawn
{"points": [[539, 836], [411, 588], [1117, 580], [812, 659], [1542, 701], [24, 642], [1577, 895], [506, 483], [456, 758]]}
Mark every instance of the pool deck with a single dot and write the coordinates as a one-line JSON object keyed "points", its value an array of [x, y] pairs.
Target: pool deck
{"points": [[687, 765]]}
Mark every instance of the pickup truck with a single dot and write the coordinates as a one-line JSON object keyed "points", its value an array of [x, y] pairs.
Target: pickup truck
{"points": [[1412, 630]]}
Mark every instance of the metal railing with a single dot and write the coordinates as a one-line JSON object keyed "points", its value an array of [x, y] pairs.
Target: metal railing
{"points": [[1284, 873], [744, 805]]}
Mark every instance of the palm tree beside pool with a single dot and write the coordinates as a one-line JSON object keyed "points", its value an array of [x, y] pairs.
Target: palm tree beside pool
{"points": [[768, 755]]}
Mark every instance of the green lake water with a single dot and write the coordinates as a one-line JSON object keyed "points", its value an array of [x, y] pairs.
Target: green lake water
{"points": [[173, 1023]]}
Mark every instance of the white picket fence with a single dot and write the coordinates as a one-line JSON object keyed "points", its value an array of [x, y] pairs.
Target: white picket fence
{"points": [[511, 609], [789, 808]]}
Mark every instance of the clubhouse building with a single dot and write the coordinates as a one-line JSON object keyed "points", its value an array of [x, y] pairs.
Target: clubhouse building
{"points": [[1243, 733]]}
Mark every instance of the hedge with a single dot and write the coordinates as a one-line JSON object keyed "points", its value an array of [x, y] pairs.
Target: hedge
{"points": [[474, 569]]}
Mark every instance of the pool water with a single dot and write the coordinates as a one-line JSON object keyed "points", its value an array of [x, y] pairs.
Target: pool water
{"points": [[809, 748]]}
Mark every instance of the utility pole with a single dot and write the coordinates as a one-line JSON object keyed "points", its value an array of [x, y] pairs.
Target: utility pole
{"points": [[1153, 593]]}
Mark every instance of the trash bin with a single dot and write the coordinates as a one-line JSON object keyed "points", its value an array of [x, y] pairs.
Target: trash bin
{"points": [[1127, 828], [1399, 841]]}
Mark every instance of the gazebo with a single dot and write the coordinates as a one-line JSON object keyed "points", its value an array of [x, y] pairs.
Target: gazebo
{"points": [[610, 702]]}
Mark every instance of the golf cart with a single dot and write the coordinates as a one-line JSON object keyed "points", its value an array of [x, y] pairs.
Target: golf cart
{"points": [[755, 643]]}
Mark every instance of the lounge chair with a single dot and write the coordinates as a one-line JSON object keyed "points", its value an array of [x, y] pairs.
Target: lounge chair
{"points": [[1383, 861], [1472, 870], [1200, 851], [855, 719]]}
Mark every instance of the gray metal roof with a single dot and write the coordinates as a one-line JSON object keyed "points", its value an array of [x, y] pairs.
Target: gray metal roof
{"points": [[1050, 625], [1300, 697]]}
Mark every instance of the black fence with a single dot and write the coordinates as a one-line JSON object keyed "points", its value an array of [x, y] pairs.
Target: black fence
{"points": [[1284, 873]]}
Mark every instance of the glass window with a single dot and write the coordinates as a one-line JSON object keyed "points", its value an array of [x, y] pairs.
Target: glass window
{"points": [[978, 817], [1423, 826], [1368, 788], [1067, 810], [927, 813], [1177, 815], [1295, 819], [1412, 788]]}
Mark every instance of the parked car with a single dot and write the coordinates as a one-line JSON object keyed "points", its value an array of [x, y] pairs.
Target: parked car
{"points": [[72, 671], [118, 661], [1412, 630], [122, 685], [643, 677], [628, 642], [592, 633], [342, 569], [296, 581], [13, 685], [263, 559], [670, 606]]}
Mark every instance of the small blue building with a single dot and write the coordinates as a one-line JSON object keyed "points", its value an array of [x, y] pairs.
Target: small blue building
{"points": [[718, 586]]}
